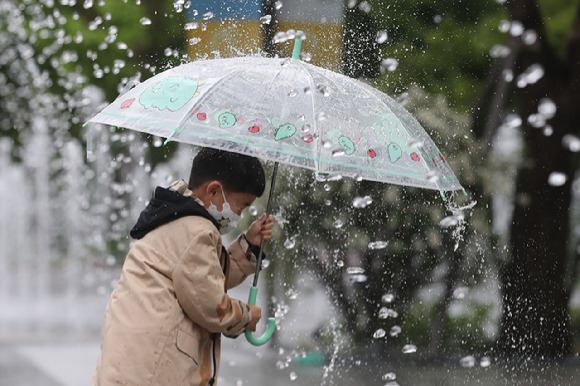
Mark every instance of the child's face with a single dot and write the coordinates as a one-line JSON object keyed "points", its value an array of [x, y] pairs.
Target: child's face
{"points": [[238, 201]]}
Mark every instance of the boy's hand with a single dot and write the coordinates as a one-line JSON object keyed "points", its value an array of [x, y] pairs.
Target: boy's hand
{"points": [[261, 229], [256, 316]]}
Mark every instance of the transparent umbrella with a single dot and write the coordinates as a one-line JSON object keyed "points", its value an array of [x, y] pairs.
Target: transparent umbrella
{"points": [[287, 111]]}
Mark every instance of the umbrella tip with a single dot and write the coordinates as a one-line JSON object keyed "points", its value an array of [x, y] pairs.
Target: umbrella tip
{"points": [[297, 45]]}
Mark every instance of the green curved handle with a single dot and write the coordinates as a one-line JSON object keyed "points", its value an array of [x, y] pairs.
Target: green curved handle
{"points": [[271, 323]]}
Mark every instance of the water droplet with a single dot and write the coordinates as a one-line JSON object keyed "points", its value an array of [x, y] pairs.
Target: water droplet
{"points": [[322, 89], [459, 293], [548, 130], [382, 37], [449, 221], [340, 263], [409, 349], [293, 376], [207, 16], [530, 76], [266, 19], [392, 383], [335, 177], [291, 294], [321, 116], [557, 179], [433, 176], [191, 25], [512, 121], [351, 4], [265, 263], [338, 153], [529, 37], [485, 362], [388, 298], [389, 64], [278, 5], [416, 143], [194, 41], [536, 120], [306, 56], [571, 142], [499, 51], [395, 331], [355, 270], [307, 90], [88, 4], [292, 93], [338, 224], [386, 312], [253, 210], [516, 28], [289, 243], [362, 202], [504, 26], [145, 21], [380, 333], [468, 361], [508, 75], [378, 244], [389, 377], [364, 6], [547, 108], [326, 187]]}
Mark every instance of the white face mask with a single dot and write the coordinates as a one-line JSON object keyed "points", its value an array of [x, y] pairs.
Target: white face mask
{"points": [[227, 219]]}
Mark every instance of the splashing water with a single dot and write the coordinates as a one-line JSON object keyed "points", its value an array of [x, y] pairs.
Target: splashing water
{"points": [[378, 244], [395, 331], [530, 76], [388, 298], [362, 202], [468, 361], [385, 313], [457, 220], [409, 349], [355, 271], [557, 179], [380, 333], [337, 345], [389, 377]]}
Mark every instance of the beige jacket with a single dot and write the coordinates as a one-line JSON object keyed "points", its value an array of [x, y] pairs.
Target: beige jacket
{"points": [[164, 319]]}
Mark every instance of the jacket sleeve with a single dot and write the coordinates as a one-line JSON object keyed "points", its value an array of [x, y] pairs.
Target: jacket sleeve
{"points": [[199, 287], [240, 267]]}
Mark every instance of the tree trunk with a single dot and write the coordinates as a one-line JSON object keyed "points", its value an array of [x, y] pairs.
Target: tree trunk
{"points": [[535, 319]]}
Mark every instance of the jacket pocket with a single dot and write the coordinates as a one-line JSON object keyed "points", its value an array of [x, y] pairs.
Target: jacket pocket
{"points": [[188, 344]]}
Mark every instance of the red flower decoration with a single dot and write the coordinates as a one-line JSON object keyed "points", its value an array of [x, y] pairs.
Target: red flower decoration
{"points": [[127, 103]]}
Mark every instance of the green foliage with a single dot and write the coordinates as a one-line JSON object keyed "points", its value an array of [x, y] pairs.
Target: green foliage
{"points": [[559, 18], [440, 45]]}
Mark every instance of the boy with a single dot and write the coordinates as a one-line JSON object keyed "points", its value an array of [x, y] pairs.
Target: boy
{"points": [[165, 317]]}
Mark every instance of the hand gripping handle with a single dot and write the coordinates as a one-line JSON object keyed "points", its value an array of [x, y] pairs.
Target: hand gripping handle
{"points": [[271, 323]]}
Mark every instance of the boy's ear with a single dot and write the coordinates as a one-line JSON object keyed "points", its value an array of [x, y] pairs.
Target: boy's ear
{"points": [[212, 188]]}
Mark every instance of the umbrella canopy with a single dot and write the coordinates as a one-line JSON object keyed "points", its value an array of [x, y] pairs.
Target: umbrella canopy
{"points": [[288, 111]]}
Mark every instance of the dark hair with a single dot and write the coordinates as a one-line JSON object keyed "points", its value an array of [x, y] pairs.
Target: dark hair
{"points": [[237, 172]]}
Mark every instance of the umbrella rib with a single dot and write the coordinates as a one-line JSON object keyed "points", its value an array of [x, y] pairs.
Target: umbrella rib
{"points": [[318, 132], [206, 95], [380, 99]]}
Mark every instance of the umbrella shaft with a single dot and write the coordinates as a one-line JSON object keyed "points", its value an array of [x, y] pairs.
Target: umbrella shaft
{"points": [[268, 209]]}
